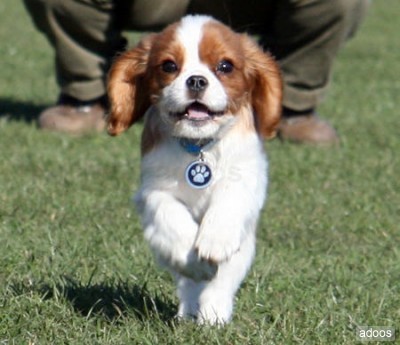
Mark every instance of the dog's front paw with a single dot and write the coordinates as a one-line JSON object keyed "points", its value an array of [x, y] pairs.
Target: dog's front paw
{"points": [[214, 248]]}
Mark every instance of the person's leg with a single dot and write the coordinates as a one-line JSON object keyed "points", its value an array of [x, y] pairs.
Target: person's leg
{"points": [[85, 39], [306, 37]]}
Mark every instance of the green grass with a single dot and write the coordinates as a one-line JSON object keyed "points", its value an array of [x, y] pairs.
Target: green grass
{"points": [[74, 268]]}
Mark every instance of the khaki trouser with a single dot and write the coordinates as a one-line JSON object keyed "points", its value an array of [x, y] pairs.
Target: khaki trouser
{"points": [[304, 36]]}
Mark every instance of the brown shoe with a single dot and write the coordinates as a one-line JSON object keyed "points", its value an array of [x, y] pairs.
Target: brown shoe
{"points": [[74, 117], [308, 129]]}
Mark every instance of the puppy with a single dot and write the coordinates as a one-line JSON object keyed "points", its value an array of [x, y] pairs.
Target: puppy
{"points": [[209, 96]]}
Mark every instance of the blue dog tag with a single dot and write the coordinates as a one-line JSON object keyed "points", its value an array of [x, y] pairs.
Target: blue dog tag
{"points": [[198, 175]]}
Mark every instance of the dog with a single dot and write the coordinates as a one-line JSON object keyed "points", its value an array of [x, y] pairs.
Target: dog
{"points": [[209, 96]]}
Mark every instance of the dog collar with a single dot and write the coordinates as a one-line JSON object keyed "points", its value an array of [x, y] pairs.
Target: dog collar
{"points": [[194, 146]]}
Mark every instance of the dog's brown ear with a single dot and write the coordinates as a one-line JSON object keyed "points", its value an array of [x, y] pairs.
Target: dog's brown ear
{"points": [[127, 93], [266, 93]]}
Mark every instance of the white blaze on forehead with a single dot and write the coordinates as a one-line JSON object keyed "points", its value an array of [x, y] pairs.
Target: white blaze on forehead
{"points": [[190, 34], [175, 96]]}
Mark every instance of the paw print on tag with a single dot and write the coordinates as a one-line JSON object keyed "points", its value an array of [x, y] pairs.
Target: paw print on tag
{"points": [[198, 175]]}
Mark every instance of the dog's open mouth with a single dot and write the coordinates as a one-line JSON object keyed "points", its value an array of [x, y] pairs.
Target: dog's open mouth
{"points": [[198, 112]]}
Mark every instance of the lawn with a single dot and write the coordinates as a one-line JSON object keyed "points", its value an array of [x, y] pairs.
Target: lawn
{"points": [[74, 268]]}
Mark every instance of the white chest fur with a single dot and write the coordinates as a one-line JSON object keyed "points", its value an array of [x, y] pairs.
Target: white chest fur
{"points": [[235, 163]]}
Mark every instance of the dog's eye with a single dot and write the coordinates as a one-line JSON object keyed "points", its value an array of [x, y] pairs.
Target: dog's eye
{"points": [[225, 67], [169, 66]]}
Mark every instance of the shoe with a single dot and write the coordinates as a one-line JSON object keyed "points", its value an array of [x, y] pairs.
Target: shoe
{"points": [[73, 116], [306, 128]]}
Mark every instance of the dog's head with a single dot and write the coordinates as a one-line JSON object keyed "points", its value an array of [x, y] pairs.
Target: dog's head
{"points": [[201, 76]]}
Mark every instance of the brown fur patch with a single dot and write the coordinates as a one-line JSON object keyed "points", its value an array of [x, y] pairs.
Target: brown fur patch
{"points": [[127, 93], [220, 43], [255, 78], [166, 47]]}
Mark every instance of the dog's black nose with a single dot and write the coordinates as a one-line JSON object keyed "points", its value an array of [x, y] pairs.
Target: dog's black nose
{"points": [[197, 83]]}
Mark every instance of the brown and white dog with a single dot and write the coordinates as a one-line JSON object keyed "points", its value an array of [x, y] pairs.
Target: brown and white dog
{"points": [[209, 96]]}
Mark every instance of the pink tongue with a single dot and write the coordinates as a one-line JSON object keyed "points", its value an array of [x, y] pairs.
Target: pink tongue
{"points": [[197, 112]]}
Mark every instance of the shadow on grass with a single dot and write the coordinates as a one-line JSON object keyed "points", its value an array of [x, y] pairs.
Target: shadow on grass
{"points": [[19, 110], [108, 300]]}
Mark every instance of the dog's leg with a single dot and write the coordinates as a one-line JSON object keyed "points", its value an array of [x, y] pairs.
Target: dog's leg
{"points": [[211, 302], [217, 298], [233, 211], [171, 232], [224, 227], [188, 292]]}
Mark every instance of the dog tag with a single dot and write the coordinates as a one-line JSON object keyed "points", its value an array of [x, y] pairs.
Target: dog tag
{"points": [[198, 174]]}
